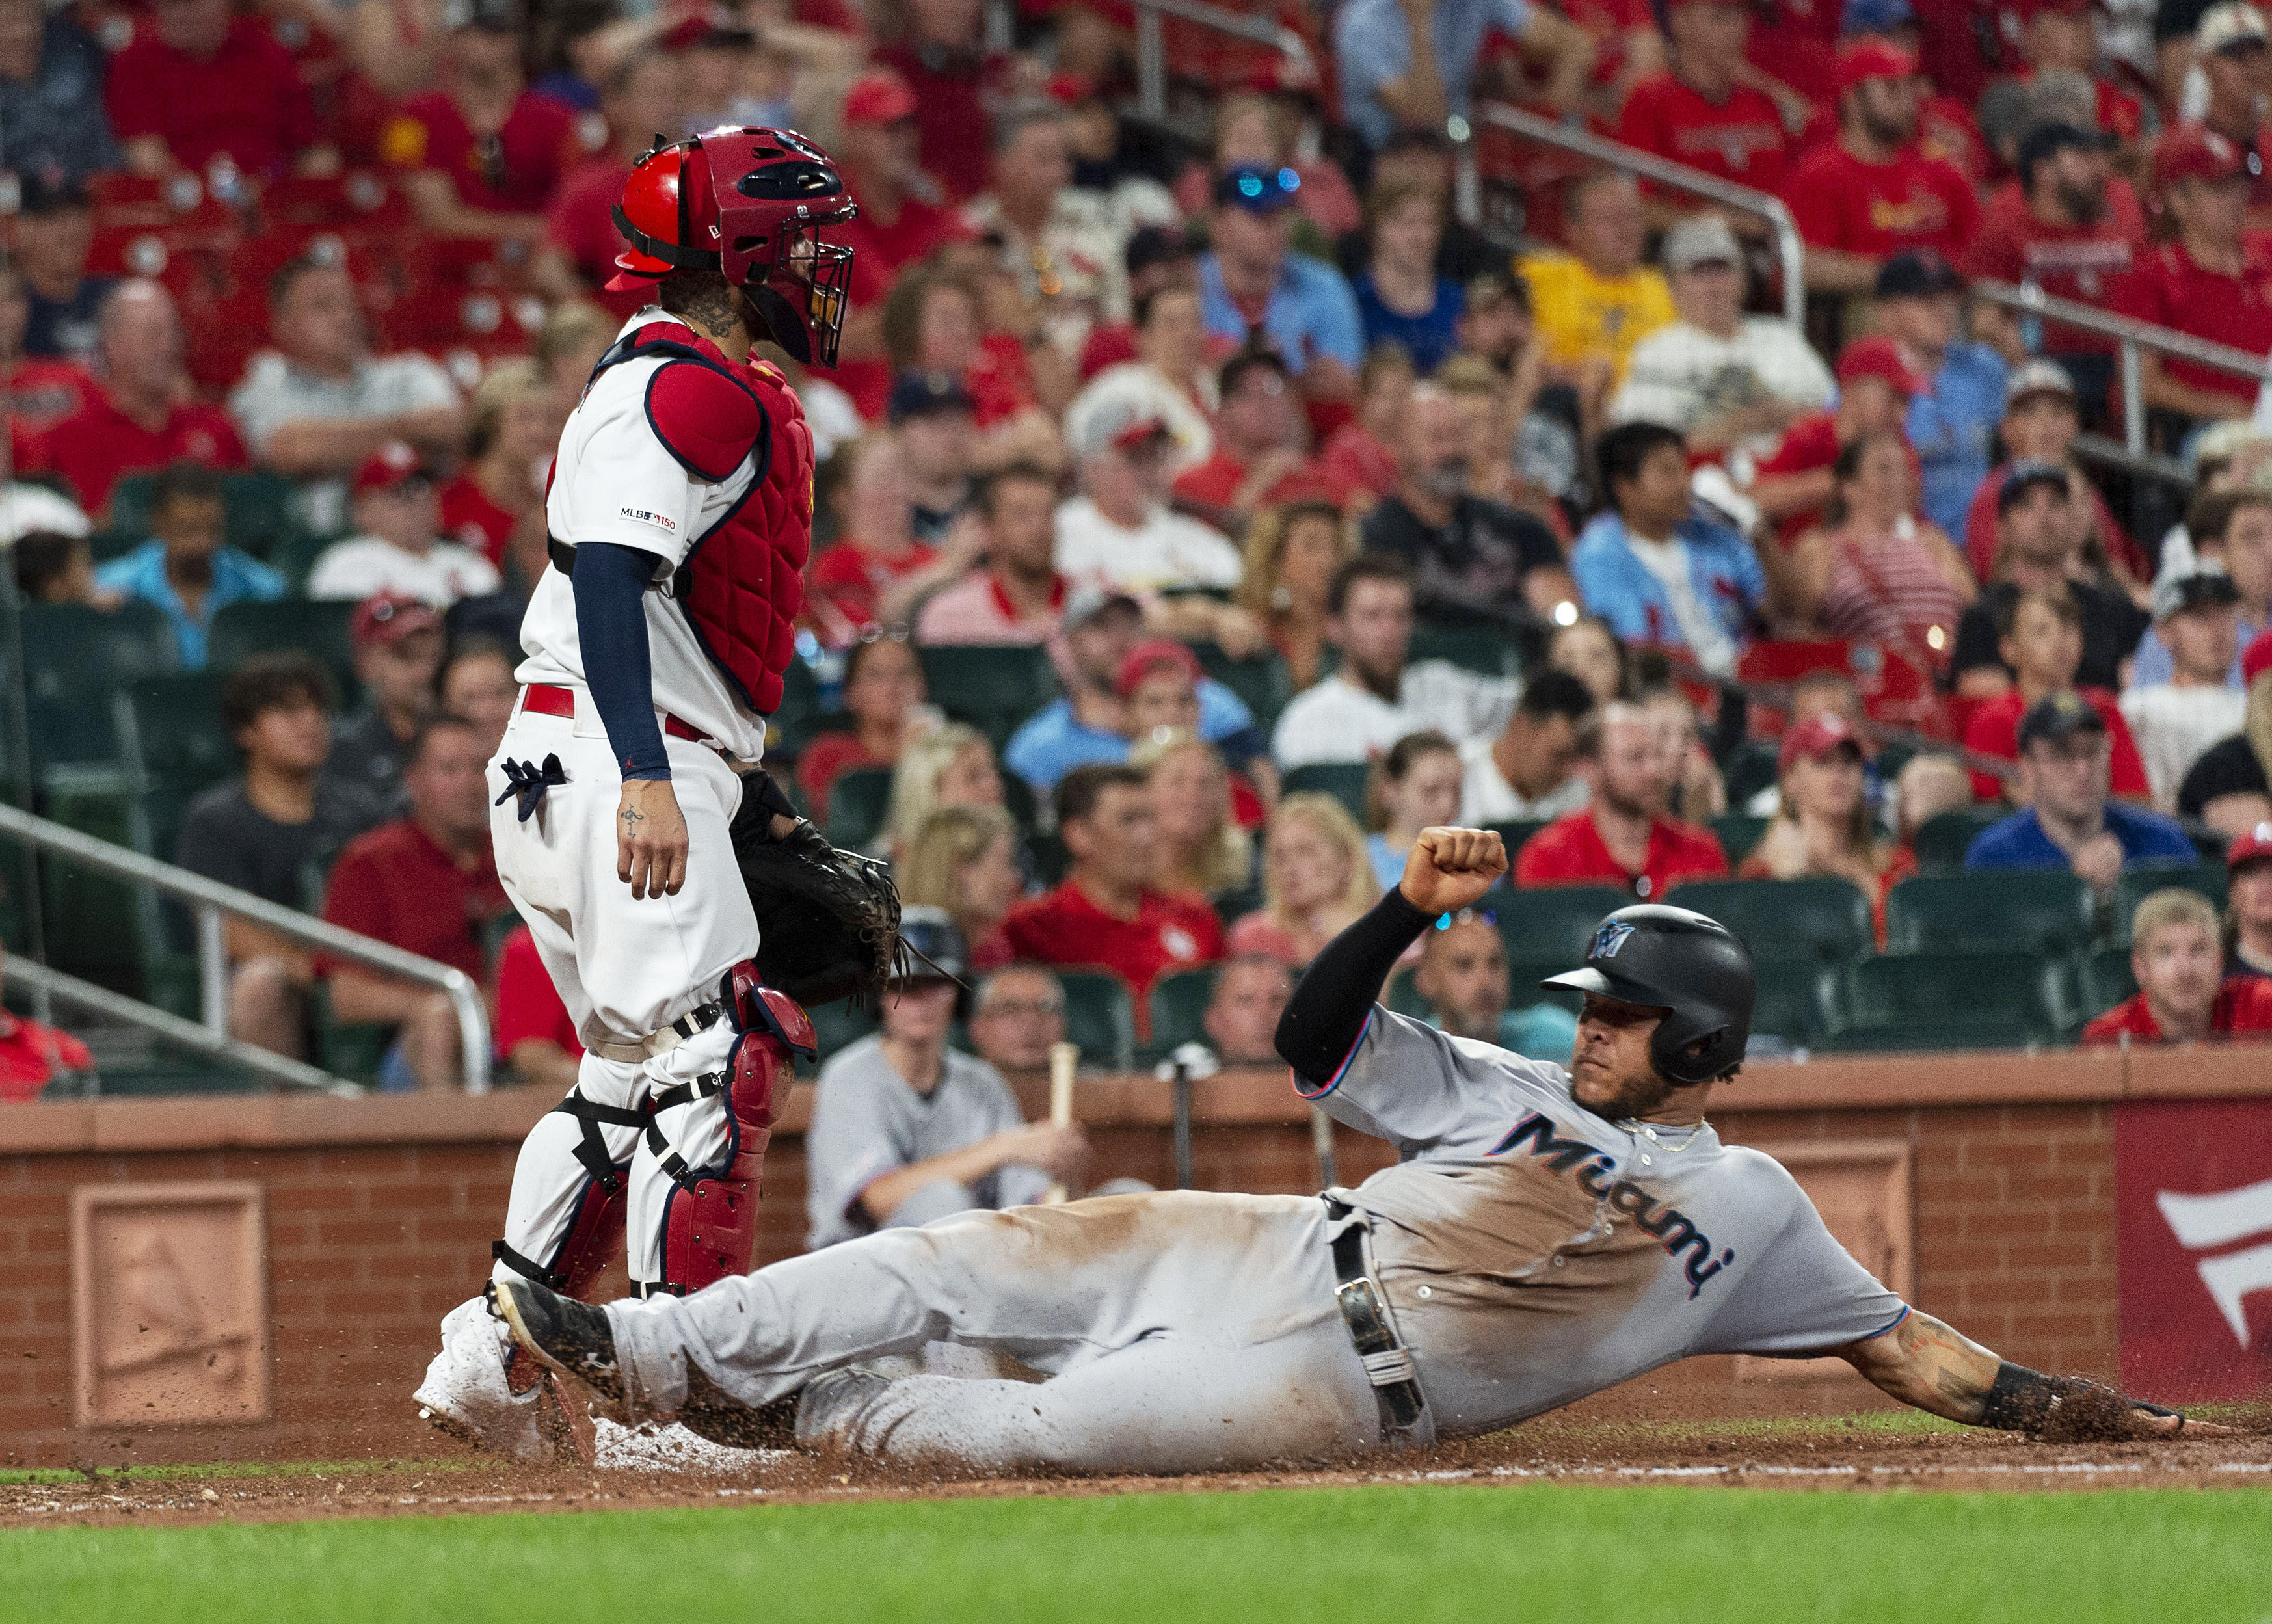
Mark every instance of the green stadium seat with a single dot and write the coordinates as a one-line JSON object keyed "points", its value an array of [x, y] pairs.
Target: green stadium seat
{"points": [[258, 508], [1179, 1003], [353, 1050], [1100, 1017], [1750, 767], [1738, 833], [1402, 996], [1045, 855], [1232, 906], [1487, 649], [1823, 919], [1524, 975], [1942, 839], [1513, 835], [2136, 884], [2012, 911], [181, 747], [993, 688], [858, 802], [295, 557], [1932, 1001], [1552, 923], [1019, 800], [1344, 780], [242, 630], [1798, 1000], [1260, 680], [2106, 979], [790, 725], [837, 1026], [76, 662]]}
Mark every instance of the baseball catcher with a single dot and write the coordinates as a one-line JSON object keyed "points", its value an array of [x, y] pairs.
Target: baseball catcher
{"points": [[1547, 1232], [634, 830]]}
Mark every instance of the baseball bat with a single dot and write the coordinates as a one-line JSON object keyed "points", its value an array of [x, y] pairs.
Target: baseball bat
{"points": [[1063, 1058]]}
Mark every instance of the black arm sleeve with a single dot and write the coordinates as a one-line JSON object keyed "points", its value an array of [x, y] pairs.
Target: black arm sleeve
{"points": [[610, 585], [1329, 1010]]}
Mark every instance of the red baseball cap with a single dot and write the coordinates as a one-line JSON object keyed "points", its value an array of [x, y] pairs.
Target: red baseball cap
{"points": [[1816, 737], [1879, 357], [2256, 659], [1072, 89], [1152, 651], [2193, 152], [879, 98], [388, 617], [1873, 57], [2256, 843], [389, 466]]}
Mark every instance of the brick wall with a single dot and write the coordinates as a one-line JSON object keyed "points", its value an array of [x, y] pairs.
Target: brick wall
{"points": [[380, 1212]]}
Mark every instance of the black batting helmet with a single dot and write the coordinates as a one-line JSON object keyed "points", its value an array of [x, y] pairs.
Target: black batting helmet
{"points": [[1691, 968]]}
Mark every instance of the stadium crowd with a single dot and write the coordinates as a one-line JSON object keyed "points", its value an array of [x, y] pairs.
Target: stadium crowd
{"points": [[1204, 510]]}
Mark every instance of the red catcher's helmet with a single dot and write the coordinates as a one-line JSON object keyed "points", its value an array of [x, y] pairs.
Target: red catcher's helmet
{"points": [[748, 203]]}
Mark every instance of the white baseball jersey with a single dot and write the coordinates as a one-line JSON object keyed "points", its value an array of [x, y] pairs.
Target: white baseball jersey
{"points": [[616, 480]]}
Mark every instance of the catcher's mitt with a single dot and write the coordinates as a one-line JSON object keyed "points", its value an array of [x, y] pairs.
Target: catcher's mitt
{"points": [[828, 921]]}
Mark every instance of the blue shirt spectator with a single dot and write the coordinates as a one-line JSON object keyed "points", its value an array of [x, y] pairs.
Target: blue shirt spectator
{"points": [[1951, 420], [183, 568], [52, 122], [2154, 664], [2020, 841], [1252, 283], [1054, 740], [1427, 339], [1372, 47], [2064, 764]]}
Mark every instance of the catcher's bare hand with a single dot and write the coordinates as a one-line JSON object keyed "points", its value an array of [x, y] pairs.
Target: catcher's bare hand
{"points": [[1449, 869], [650, 839]]}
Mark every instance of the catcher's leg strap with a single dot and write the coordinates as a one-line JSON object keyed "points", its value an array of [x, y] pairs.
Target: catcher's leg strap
{"points": [[769, 1020], [591, 1149]]}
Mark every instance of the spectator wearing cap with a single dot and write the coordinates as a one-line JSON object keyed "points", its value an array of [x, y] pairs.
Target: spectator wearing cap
{"points": [[1705, 110], [1260, 457], [1951, 421], [481, 155], [1119, 532], [577, 255], [183, 568], [1823, 827], [1019, 596], [2177, 721], [1403, 64], [2041, 420], [2071, 227], [1527, 770], [398, 651], [935, 425], [1423, 158], [2248, 891], [427, 883], [2039, 551], [903, 213], [1158, 686], [1875, 385], [398, 547], [2231, 46], [52, 120], [1466, 551], [144, 413], [1253, 287], [54, 234], [1103, 630], [2229, 530], [1156, 257], [2213, 281], [319, 405], [200, 84], [1655, 569], [2184, 994], [2227, 787], [2068, 822], [1946, 127], [1721, 377], [1378, 693], [1258, 126], [1065, 247], [2039, 639], [937, 47], [1871, 193], [1595, 302], [1169, 377], [1622, 837], [1109, 909], [2061, 36], [266, 829]]}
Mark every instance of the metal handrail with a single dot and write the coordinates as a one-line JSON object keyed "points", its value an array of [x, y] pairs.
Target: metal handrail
{"points": [[2131, 336], [86, 995], [1151, 53], [1790, 248], [214, 900]]}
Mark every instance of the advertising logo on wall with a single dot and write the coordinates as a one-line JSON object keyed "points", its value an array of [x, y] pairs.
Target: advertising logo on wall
{"points": [[2193, 1231]]}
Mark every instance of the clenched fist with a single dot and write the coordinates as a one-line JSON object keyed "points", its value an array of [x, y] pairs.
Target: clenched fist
{"points": [[1450, 869]]}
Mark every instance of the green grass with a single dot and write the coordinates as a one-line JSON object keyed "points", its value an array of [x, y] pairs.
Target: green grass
{"points": [[1396, 1554]]}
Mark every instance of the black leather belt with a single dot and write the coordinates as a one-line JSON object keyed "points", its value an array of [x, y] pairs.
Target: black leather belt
{"points": [[1388, 1362]]}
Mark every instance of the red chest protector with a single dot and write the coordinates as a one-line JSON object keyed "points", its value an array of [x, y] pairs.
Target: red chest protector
{"points": [[743, 582]]}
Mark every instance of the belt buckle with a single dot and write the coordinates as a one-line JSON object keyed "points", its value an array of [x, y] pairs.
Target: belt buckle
{"points": [[1361, 1310]]}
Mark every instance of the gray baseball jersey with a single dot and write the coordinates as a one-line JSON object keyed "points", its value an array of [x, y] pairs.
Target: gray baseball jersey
{"points": [[867, 1121], [1534, 1253]]}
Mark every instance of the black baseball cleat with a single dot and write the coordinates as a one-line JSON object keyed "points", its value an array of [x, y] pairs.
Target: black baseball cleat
{"points": [[573, 1337]]}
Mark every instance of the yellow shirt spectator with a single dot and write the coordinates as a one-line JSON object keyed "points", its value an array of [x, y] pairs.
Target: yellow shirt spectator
{"points": [[1580, 314]]}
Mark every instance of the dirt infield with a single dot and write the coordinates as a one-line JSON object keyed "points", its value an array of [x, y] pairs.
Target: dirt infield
{"points": [[1859, 1452]]}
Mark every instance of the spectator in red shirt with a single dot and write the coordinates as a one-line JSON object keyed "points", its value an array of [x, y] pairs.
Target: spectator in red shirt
{"points": [[40, 391], [32, 1055], [2231, 44], [941, 54], [2215, 281], [144, 415], [2039, 635], [199, 83], [483, 156], [2041, 421], [1357, 465], [495, 503], [934, 321], [2061, 36], [2177, 955], [1107, 911], [1259, 459], [577, 255], [2073, 228], [426, 883], [535, 1034], [1018, 597], [884, 696], [1875, 383], [902, 217], [1871, 193], [1702, 111], [865, 576], [1622, 837]]}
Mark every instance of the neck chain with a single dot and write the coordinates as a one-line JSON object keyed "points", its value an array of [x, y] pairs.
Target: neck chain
{"points": [[1649, 1133]]}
